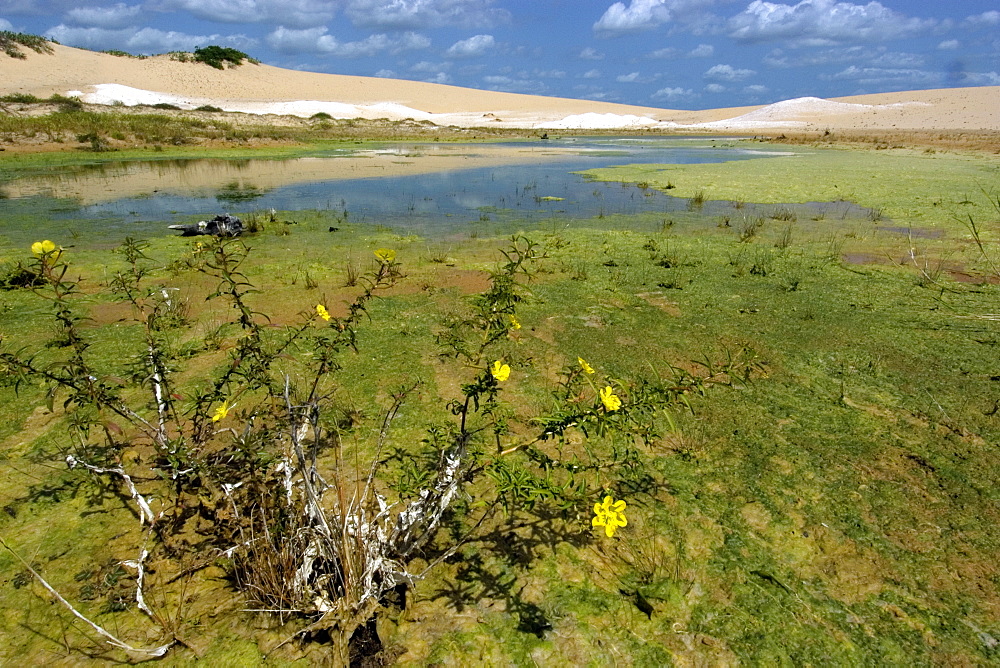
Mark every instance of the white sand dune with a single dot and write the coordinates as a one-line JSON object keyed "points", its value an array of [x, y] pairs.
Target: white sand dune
{"points": [[261, 89]]}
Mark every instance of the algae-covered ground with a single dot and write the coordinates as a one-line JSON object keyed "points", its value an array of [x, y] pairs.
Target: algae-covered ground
{"points": [[839, 508]]}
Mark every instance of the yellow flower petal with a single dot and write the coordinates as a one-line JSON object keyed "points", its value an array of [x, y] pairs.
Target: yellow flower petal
{"points": [[322, 312], [220, 412], [514, 323], [583, 365], [42, 247], [500, 371], [385, 255], [610, 399], [618, 506]]}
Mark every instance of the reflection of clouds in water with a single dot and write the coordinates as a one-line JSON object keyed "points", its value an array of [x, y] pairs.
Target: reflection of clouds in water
{"points": [[471, 201], [428, 201]]}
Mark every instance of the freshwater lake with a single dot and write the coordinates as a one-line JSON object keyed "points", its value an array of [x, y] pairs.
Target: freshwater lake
{"points": [[425, 188]]}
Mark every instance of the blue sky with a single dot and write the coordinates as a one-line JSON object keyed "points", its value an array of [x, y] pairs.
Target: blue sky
{"points": [[681, 54]]}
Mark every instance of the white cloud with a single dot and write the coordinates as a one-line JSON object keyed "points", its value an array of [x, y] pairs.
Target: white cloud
{"points": [[591, 53], [671, 53], [5, 24], [639, 15], [642, 15], [439, 78], [592, 74], [982, 78], [817, 22], [295, 13], [702, 51], [879, 56], [727, 73], [473, 47], [428, 67], [755, 89], [413, 14], [146, 40], [628, 78], [385, 74], [316, 40], [885, 77], [984, 20], [715, 88], [676, 94], [948, 45], [116, 16]]}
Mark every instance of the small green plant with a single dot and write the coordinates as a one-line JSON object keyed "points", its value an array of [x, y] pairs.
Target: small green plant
{"points": [[21, 98], [748, 227], [10, 43], [219, 56], [209, 108]]}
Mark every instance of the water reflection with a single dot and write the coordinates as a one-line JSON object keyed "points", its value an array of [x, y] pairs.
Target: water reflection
{"points": [[419, 186]]}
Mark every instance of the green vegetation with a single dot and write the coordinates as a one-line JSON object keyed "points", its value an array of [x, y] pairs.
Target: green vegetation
{"points": [[10, 43], [218, 56], [122, 54], [834, 506]]}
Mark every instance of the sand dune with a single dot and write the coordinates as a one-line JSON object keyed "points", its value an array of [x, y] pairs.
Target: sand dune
{"points": [[261, 89]]}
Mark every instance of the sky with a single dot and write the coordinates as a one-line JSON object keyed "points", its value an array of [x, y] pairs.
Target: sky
{"points": [[673, 54]]}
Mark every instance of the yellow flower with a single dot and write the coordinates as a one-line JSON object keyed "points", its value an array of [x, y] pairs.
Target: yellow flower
{"points": [[220, 412], [500, 371], [42, 247], [385, 255], [583, 365], [610, 515], [322, 312], [514, 324], [610, 399]]}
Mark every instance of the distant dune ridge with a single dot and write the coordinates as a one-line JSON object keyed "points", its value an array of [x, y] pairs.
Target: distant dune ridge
{"points": [[261, 89]]}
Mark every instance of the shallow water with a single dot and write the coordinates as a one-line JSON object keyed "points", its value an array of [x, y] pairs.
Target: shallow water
{"points": [[420, 188]]}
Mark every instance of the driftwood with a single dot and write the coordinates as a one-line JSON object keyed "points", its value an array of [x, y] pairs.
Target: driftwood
{"points": [[220, 226]]}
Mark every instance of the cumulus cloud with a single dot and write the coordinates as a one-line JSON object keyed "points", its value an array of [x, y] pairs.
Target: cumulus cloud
{"points": [[316, 40], [416, 14], [676, 94], [671, 53], [5, 24], [727, 73], [592, 74], [816, 22], [702, 51], [146, 40], [591, 53], [948, 45], [984, 20], [715, 88], [628, 78], [473, 47], [439, 78], [385, 74], [295, 13], [640, 15], [116, 16]]}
